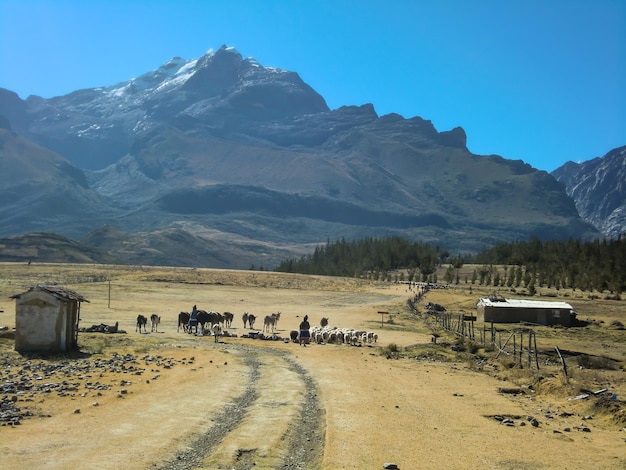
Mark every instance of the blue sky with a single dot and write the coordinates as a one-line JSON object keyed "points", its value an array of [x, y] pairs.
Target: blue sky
{"points": [[542, 81]]}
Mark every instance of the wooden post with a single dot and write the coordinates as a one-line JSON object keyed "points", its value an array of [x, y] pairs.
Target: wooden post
{"points": [[462, 322], [514, 348], [382, 317], [530, 337], [521, 346], [563, 363], [109, 304], [536, 354]]}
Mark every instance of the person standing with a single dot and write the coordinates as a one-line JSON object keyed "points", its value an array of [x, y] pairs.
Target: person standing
{"points": [[193, 319], [305, 334]]}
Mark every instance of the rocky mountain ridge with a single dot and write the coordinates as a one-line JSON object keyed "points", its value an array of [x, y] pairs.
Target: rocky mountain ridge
{"points": [[251, 163], [598, 188], [93, 128]]}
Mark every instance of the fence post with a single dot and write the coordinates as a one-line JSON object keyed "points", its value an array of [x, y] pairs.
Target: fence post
{"points": [[462, 321], [530, 337], [514, 347], [563, 363], [536, 354], [521, 346]]}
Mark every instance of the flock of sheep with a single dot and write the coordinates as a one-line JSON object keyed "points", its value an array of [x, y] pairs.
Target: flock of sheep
{"points": [[325, 334]]}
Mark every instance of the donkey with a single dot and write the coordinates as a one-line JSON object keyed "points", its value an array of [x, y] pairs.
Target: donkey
{"points": [[271, 321], [141, 321], [217, 331], [154, 322], [228, 319], [183, 319]]}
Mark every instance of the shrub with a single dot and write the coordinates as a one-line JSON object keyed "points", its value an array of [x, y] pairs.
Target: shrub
{"points": [[391, 351], [595, 362]]}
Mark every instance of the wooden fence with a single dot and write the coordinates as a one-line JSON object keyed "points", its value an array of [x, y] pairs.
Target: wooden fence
{"points": [[520, 344]]}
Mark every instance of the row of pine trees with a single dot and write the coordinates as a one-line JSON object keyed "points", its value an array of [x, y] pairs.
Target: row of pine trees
{"points": [[598, 265]]}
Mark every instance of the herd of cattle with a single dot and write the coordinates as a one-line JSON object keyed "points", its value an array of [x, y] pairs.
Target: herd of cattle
{"points": [[215, 323]]}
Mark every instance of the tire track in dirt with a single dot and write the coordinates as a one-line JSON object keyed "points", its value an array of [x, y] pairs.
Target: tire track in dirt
{"points": [[277, 422], [306, 441]]}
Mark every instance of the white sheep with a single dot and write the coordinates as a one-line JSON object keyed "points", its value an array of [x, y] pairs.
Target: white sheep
{"points": [[333, 335]]}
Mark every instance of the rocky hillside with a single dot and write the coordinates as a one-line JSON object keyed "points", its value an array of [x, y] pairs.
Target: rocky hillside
{"points": [[51, 248], [247, 163], [598, 188], [42, 191]]}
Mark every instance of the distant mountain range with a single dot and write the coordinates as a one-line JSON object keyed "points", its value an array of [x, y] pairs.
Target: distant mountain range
{"points": [[222, 162], [598, 188]]}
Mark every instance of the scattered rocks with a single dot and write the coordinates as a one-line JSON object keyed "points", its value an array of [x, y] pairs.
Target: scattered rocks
{"points": [[10, 413], [23, 378], [513, 420]]}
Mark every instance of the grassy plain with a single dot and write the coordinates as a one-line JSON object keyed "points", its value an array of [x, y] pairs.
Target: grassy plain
{"points": [[404, 399]]}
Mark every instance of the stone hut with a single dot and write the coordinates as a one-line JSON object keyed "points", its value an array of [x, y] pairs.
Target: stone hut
{"points": [[46, 319], [499, 310]]}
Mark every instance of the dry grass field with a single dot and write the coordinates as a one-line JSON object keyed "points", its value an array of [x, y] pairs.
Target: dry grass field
{"points": [[168, 399]]}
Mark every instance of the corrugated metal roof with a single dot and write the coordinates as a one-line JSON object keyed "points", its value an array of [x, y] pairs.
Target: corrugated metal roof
{"points": [[59, 292], [523, 303]]}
